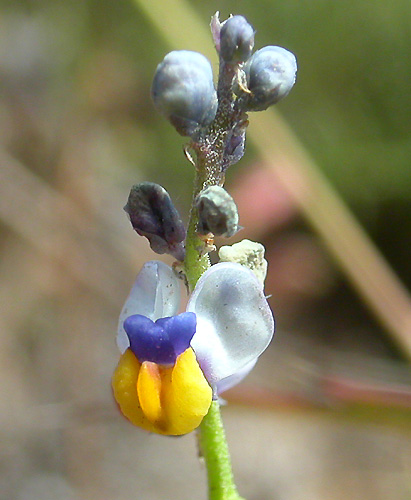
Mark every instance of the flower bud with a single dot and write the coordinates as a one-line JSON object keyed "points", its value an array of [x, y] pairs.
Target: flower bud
{"points": [[153, 215], [217, 212], [236, 40], [183, 91], [234, 149], [270, 76]]}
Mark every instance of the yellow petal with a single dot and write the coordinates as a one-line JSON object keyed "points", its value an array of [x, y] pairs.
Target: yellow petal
{"points": [[170, 401], [186, 395], [149, 392], [124, 383]]}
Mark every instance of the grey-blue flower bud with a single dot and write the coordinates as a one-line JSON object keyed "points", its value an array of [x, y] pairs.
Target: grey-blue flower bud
{"points": [[236, 40], [270, 76], [153, 215], [183, 91], [217, 212]]}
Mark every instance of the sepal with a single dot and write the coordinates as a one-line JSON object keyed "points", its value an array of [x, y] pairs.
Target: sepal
{"points": [[236, 40], [270, 73], [155, 294], [183, 91]]}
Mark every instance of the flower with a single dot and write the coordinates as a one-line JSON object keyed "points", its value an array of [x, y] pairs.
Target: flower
{"points": [[172, 365]]}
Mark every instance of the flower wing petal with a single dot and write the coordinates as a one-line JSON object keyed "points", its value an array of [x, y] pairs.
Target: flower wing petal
{"points": [[155, 294], [231, 381], [234, 320]]}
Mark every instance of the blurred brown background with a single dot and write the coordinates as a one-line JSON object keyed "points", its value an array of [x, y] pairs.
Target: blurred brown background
{"points": [[326, 413]]}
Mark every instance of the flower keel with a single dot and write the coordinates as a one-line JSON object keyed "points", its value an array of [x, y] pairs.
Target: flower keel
{"points": [[166, 400]]}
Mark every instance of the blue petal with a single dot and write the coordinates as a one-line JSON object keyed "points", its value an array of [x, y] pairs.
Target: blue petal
{"points": [[160, 342], [149, 341], [180, 330]]}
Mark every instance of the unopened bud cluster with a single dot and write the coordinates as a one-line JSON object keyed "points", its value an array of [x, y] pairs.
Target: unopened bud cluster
{"points": [[215, 119], [183, 89]]}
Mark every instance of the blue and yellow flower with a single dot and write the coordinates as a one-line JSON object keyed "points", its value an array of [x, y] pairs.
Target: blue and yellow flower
{"points": [[173, 365]]}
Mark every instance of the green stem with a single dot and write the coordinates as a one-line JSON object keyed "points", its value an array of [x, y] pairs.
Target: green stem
{"points": [[212, 440], [214, 448], [195, 264]]}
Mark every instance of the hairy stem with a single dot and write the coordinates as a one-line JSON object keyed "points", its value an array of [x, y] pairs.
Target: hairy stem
{"points": [[214, 448], [195, 264], [212, 439]]}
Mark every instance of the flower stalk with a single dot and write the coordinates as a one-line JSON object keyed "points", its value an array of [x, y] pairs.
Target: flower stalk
{"points": [[214, 153], [214, 449], [211, 436], [173, 366], [195, 264]]}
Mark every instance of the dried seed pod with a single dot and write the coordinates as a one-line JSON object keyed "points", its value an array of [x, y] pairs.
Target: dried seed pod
{"points": [[153, 215], [217, 212]]}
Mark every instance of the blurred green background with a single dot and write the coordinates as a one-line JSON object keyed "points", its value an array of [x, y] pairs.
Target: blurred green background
{"points": [[326, 412]]}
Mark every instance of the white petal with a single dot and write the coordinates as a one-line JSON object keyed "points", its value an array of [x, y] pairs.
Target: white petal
{"points": [[234, 321], [155, 294], [233, 380]]}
